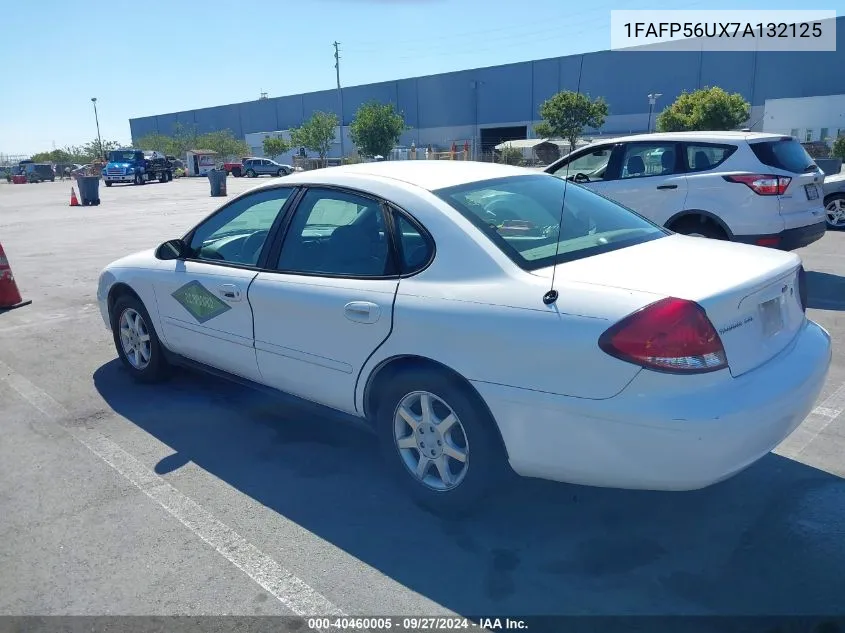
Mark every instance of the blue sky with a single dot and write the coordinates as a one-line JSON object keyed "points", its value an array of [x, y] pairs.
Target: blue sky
{"points": [[187, 55]]}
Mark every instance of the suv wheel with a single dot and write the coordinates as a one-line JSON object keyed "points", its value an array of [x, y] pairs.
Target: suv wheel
{"points": [[697, 226], [250, 173], [834, 207]]}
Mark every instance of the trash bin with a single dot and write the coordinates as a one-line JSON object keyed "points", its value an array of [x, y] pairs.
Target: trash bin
{"points": [[89, 190], [217, 178]]}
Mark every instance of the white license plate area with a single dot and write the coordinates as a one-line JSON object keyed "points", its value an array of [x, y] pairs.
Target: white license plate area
{"points": [[812, 192], [771, 314]]}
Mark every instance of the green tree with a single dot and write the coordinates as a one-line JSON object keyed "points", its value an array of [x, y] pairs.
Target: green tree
{"points": [[566, 114], [224, 143], [54, 156], [376, 129], [275, 146], [156, 142], [838, 149], [316, 134], [511, 155], [704, 109]]}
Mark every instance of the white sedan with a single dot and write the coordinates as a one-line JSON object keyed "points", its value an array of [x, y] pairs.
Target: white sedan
{"points": [[477, 316]]}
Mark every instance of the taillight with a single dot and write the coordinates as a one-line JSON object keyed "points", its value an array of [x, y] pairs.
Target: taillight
{"points": [[802, 287], [762, 184], [672, 335]]}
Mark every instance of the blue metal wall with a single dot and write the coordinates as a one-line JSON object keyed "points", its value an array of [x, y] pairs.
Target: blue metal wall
{"points": [[514, 92]]}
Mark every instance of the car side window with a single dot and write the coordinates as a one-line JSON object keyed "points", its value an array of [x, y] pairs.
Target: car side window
{"points": [[640, 160], [336, 233], [704, 156], [592, 163], [415, 247], [238, 232]]}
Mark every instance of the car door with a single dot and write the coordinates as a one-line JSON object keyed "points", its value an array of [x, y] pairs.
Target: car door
{"points": [[203, 299], [328, 303], [648, 178]]}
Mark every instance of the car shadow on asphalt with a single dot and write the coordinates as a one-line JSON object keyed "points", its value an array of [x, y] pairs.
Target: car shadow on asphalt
{"points": [[768, 541], [825, 291]]}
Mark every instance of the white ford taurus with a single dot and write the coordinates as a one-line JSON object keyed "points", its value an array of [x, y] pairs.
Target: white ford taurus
{"points": [[479, 315]]}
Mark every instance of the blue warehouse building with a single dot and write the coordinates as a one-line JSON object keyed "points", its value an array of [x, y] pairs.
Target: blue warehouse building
{"points": [[486, 106]]}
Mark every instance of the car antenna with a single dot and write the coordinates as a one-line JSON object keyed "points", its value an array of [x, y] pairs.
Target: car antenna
{"points": [[551, 296]]}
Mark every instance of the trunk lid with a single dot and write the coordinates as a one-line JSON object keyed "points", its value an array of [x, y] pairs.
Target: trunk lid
{"points": [[751, 294]]}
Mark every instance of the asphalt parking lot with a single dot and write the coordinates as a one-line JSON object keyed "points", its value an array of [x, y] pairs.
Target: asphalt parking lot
{"points": [[202, 498]]}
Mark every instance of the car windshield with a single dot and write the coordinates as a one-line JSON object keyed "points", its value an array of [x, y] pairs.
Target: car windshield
{"points": [[121, 157], [527, 218], [787, 154]]}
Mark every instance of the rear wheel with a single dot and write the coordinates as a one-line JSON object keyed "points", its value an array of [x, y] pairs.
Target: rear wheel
{"points": [[162, 177], [136, 341], [139, 179], [699, 226], [834, 207], [236, 172], [438, 441]]}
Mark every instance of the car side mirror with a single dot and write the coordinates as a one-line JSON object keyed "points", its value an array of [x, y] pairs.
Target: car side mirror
{"points": [[172, 249]]}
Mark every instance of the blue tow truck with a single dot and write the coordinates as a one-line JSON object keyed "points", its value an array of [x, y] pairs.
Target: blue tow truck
{"points": [[137, 167]]}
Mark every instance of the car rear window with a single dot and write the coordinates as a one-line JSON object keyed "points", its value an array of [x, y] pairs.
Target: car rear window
{"points": [[541, 220], [785, 153]]}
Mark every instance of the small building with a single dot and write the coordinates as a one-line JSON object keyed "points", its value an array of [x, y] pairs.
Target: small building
{"points": [[200, 161]]}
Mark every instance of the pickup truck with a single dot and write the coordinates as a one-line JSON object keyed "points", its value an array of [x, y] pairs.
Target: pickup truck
{"points": [[235, 169], [137, 167]]}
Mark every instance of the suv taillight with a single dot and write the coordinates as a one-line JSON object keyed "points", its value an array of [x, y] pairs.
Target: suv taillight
{"points": [[672, 335], [762, 184], [802, 287]]}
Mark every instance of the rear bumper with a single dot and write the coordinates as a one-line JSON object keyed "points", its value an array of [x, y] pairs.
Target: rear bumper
{"points": [[663, 432], [789, 239]]}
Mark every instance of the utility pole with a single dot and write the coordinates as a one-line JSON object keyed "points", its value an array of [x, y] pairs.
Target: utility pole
{"points": [[339, 95], [97, 119]]}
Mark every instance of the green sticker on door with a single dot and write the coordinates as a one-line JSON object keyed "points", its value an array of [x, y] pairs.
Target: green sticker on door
{"points": [[201, 303]]}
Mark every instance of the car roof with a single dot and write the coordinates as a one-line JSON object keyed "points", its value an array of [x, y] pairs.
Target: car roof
{"points": [[712, 136], [426, 174]]}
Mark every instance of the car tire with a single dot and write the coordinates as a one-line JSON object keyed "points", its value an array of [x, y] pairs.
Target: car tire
{"points": [[473, 433], [695, 227], [162, 177], [155, 368], [250, 173], [108, 183], [236, 172], [139, 180], [834, 207]]}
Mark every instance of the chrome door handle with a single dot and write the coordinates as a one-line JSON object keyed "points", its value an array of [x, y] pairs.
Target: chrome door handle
{"points": [[230, 292], [362, 311]]}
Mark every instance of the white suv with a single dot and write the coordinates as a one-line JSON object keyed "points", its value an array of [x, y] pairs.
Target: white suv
{"points": [[756, 188]]}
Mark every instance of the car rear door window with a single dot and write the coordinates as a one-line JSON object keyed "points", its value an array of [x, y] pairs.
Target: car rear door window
{"points": [[640, 160], [704, 156], [785, 153], [415, 246], [336, 233]]}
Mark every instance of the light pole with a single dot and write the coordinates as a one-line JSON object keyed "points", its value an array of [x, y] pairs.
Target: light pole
{"points": [[97, 119], [652, 101]]}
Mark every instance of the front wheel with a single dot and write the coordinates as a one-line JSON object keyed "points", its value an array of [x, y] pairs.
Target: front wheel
{"points": [[109, 183], [439, 441], [834, 207], [251, 173], [136, 341]]}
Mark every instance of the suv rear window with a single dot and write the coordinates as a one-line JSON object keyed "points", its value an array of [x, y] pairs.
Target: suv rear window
{"points": [[522, 216], [785, 153]]}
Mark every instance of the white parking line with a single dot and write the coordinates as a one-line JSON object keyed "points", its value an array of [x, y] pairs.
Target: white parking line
{"points": [[814, 424], [290, 590]]}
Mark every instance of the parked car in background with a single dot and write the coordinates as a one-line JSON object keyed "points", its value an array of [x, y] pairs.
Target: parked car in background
{"points": [[834, 200], [757, 188], [254, 167]]}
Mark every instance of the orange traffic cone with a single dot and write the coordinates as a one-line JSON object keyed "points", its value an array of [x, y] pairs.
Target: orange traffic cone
{"points": [[9, 296], [73, 201]]}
